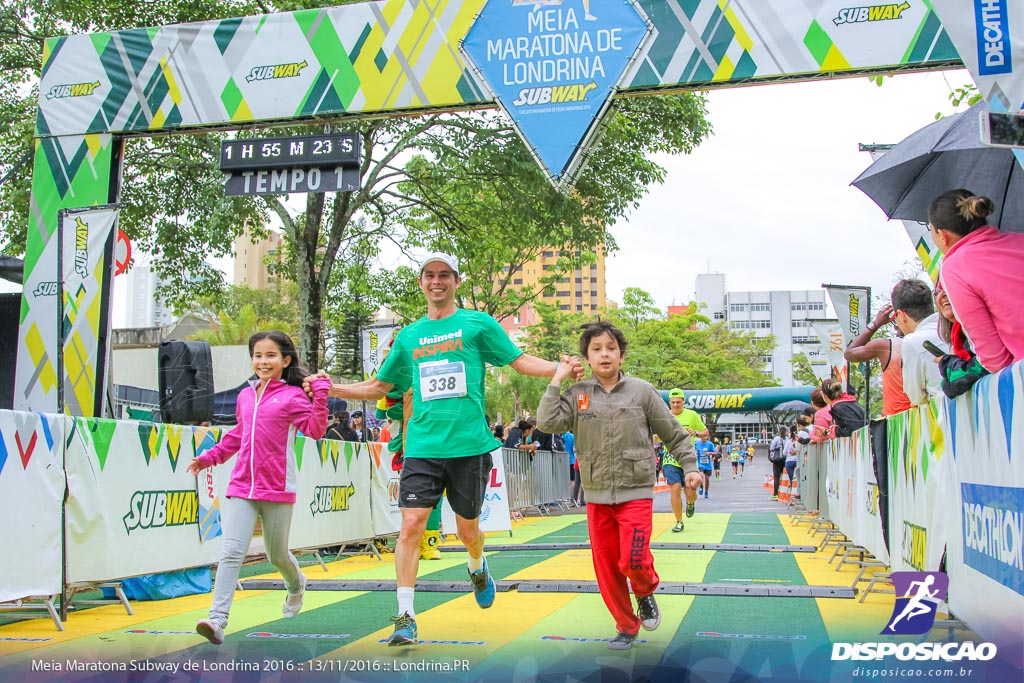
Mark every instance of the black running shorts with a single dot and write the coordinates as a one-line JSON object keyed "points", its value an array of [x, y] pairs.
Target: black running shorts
{"points": [[465, 479]]}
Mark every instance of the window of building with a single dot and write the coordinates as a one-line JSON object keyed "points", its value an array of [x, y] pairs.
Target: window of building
{"points": [[564, 307], [760, 307], [593, 280], [719, 315], [518, 281], [806, 340], [737, 308], [579, 307], [563, 293], [798, 323], [548, 293], [593, 307], [579, 280], [548, 266], [548, 254], [516, 320]]}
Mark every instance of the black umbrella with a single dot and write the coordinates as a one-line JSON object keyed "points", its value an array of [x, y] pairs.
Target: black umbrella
{"points": [[946, 155]]}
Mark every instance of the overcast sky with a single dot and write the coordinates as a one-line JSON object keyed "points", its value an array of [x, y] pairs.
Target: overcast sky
{"points": [[766, 199]]}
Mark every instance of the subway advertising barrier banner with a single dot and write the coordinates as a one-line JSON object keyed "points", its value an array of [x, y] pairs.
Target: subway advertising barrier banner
{"points": [[852, 492], [387, 518], [31, 492], [332, 503], [373, 342], [132, 507], [920, 488]]}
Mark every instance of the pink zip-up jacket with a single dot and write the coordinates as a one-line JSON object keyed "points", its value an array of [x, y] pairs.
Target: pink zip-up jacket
{"points": [[266, 468], [983, 275]]}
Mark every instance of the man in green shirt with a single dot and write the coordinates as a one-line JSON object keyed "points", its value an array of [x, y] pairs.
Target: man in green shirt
{"points": [[692, 423], [443, 357]]}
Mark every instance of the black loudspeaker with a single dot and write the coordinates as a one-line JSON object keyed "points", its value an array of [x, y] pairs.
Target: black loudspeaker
{"points": [[185, 370]]}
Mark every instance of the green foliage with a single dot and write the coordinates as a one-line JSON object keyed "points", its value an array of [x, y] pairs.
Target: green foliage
{"points": [[680, 351], [512, 395], [277, 303], [236, 329], [803, 373]]}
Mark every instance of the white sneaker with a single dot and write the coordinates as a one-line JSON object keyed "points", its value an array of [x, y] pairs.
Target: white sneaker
{"points": [[210, 630], [293, 601]]}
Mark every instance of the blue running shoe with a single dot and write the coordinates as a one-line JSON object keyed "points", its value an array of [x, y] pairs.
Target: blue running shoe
{"points": [[483, 586], [405, 631]]}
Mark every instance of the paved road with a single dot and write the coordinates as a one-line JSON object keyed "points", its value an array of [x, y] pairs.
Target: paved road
{"points": [[743, 494]]}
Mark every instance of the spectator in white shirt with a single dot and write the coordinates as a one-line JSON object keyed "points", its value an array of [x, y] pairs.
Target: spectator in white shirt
{"points": [[916, 317]]}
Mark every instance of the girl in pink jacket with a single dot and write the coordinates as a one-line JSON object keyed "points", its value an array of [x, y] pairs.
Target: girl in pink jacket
{"points": [[268, 414]]}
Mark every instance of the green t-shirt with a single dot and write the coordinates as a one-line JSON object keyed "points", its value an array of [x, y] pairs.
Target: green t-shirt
{"points": [[689, 419], [445, 362]]}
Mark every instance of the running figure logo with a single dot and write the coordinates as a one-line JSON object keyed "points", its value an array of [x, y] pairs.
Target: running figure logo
{"points": [[914, 613]]}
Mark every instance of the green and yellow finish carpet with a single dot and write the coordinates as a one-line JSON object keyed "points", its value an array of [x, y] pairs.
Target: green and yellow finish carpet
{"points": [[525, 636]]}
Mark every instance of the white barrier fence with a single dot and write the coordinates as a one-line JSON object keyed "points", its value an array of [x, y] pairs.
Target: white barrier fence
{"points": [[956, 486], [133, 509]]}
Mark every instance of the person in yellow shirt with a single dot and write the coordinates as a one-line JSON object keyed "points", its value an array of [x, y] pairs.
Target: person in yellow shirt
{"points": [[692, 423]]}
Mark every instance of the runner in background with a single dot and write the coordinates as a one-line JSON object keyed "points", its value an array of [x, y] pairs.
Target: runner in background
{"points": [[695, 427], [705, 462]]}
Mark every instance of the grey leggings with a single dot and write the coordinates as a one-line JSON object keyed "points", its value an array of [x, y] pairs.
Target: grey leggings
{"points": [[238, 521]]}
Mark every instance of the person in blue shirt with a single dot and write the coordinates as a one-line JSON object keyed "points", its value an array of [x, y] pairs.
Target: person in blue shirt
{"points": [[705, 457], [569, 441]]}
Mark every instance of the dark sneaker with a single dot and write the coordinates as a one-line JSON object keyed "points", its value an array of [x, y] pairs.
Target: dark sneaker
{"points": [[405, 630], [210, 630], [483, 586], [647, 610], [677, 528], [689, 509], [622, 641]]}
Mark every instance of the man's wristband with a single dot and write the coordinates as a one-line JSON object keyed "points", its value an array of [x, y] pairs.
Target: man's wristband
{"points": [[871, 326]]}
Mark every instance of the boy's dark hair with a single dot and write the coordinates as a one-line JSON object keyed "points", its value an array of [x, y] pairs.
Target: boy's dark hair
{"points": [[914, 298], [596, 329], [295, 372]]}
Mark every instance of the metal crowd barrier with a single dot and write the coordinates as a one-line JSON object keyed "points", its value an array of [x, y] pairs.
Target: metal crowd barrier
{"points": [[536, 482]]}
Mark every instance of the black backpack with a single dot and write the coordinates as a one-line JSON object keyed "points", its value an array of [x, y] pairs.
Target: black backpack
{"points": [[848, 417]]}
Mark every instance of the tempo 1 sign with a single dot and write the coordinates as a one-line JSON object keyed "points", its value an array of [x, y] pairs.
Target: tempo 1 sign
{"points": [[286, 180], [321, 151]]}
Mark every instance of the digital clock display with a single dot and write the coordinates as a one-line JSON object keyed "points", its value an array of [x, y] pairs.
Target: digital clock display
{"points": [[310, 151]]}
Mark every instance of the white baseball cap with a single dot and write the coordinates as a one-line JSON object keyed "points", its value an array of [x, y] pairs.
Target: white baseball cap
{"points": [[446, 259]]}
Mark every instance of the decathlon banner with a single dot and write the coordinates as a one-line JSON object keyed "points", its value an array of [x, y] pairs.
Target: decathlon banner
{"points": [[986, 545], [830, 333], [853, 493], [332, 493], [851, 305], [85, 259], [31, 494], [132, 507], [989, 35], [373, 341], [495, 514], [922, 492], [384, 511]]}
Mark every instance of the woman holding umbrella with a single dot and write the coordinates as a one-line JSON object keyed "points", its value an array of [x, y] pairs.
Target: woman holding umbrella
{"points": [[982, 274]]}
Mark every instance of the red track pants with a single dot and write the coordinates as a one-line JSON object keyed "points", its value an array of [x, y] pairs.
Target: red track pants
{"points": [[620, 539]]}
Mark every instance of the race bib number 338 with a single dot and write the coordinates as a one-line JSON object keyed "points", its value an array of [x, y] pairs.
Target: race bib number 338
{"points": [[442, 380]]}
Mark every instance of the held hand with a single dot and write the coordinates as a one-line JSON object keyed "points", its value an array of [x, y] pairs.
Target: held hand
{"points": [[562, 370], [694, 480], [577, 368], [307, 383]]}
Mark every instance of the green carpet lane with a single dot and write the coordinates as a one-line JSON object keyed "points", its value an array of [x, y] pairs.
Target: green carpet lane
{"points": [[749, 636]]}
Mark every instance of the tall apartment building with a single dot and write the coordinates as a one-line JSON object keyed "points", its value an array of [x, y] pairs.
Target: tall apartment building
{"points": [[144, 308], [251, 259], [583, 290], [781, 313]]}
